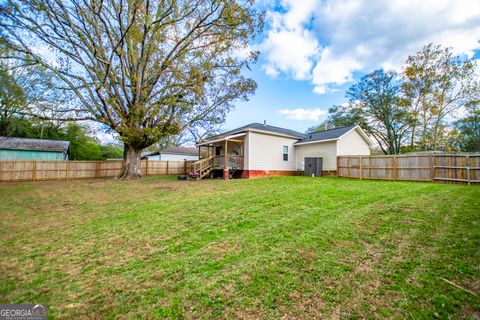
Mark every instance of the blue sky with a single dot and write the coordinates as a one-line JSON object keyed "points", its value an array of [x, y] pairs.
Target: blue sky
{"points": [[281, 93], [313, 50]]}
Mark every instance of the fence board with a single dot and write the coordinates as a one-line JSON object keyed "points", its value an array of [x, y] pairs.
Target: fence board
{"points": [[440, 168], [71, 170]]}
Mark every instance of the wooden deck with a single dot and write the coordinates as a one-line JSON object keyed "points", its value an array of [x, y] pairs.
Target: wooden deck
{"points": [[202, 168]]}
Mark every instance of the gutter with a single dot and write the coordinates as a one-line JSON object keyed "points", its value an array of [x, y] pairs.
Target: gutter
{"points": [[221, 139]]}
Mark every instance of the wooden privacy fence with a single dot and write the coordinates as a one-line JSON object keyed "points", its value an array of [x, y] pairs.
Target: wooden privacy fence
{"points": [[66, 170], [445, 168]]}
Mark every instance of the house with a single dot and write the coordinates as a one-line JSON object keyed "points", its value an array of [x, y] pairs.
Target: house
{"points": [[263, 150], [173, 153], [33, 149]]}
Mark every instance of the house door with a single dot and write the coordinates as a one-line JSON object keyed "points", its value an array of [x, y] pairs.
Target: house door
{"points": [[313, 166]]}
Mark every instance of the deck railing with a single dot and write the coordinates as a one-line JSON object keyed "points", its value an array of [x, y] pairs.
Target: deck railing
{"points": [[233, 162], [203, 167]]}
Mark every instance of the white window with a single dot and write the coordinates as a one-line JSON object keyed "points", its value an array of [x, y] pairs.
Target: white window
{"points": [[285, 153]]}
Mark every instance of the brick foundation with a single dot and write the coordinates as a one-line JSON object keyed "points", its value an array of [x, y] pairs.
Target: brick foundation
{"points": [[268, 173], [245, 174]]}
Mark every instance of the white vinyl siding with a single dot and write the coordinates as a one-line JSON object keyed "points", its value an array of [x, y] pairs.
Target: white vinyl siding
{"points": [[352, 143], [325, 150], [246, 152], [265, 152]]}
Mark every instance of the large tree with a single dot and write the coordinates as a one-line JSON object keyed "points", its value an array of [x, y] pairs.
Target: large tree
{"points": [[145, 68], [437, 84], [375, 104], [375, 101]]}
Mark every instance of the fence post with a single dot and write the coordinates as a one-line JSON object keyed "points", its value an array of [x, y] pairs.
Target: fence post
{"points": [[369, 167], [468, 169], [146, 167], [67, 170], [338, 168], [97, 170], [394, 168], [361, 174], [432, 164], [167, 167], [348, 166], [34, 171], [185, 167]]}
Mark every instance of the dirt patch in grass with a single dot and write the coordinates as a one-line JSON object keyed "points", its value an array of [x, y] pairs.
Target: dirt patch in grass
{"points": [[312, 307]]}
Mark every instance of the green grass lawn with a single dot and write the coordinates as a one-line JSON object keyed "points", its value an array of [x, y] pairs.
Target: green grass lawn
{"points": [[292, 247]]}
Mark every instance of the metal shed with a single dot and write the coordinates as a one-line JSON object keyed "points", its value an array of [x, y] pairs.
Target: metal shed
{"points": [[313, 167]]}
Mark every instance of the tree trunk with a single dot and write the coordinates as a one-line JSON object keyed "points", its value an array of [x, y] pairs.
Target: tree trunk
{"points": [[3, 128], [131, 166], [412, 140]]}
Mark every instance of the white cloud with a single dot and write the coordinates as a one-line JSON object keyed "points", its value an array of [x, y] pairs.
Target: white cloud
{"points": [[289, 46], [325, 42], [332, 69], [289, 51], [303, 114]]}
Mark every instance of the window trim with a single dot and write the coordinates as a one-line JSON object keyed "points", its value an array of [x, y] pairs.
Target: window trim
{"points": [[285, 154]]}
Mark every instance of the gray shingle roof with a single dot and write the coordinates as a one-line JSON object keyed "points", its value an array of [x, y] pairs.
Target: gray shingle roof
{"points": [[326, 135], [259, 126], [267, 127], [176, 150], [302, 137], [11, 143]]}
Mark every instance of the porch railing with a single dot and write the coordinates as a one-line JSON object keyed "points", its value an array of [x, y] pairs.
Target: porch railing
{"points": [[203, 167], [233, 161]]}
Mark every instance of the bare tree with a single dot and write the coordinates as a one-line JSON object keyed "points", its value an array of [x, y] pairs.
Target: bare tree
{"points": [[145, 68], [23, 88]]}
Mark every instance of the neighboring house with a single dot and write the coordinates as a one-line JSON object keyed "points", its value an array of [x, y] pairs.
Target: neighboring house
{"points": [[33, 149], [173, 153], [261, 150]]}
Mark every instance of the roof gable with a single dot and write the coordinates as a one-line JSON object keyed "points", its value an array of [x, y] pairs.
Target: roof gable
{"points": [[326, 135], [334, 134]]}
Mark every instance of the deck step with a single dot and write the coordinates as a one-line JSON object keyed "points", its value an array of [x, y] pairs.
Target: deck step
{"points": [[203, 167]]}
